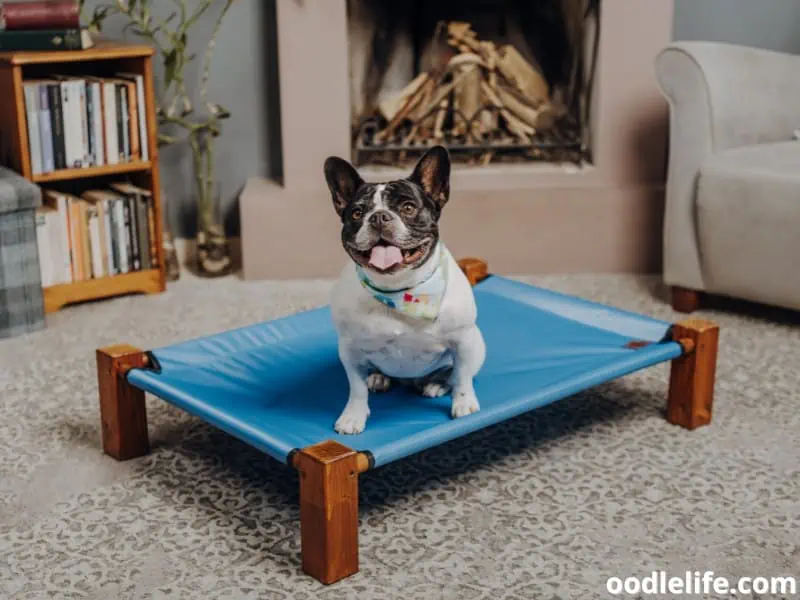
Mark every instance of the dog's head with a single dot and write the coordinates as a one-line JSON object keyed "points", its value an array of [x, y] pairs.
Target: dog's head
{"points": [[391, 227]]}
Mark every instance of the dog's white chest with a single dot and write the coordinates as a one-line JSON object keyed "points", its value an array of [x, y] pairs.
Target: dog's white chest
{"points": [[398, 346]]}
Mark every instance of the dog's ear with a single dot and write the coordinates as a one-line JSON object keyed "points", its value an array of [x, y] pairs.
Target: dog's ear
{"points": [[432, 174], [343, 181]]}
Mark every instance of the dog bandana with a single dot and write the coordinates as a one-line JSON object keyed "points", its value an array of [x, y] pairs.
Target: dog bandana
{"points": [[421, 301]]}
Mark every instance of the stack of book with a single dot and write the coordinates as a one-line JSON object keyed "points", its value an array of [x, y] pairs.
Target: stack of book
{"points": [[77, 122], [42, 25], [102, 233]]}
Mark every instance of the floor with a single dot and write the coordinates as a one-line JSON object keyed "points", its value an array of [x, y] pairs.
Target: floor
{"points": [[548, 505]]}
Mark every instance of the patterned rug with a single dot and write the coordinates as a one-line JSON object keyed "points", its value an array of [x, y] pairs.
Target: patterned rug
{"points": [[549, 505]]}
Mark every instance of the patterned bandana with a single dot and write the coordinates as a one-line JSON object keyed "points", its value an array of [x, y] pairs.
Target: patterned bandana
{"points": [[421, 301]]}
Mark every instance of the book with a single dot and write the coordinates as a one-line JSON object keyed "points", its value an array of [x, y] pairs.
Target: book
{"points": [[108, 237], [110, 123], [133, 236], [75, 239], [123, 228], [96, 124], [86, 242], [34, 139], [118, 235], [52, 14], [80, 89], [95, 241], [69, 106], [45, 41], [43, 247], [90, 141], [62, 255], [122, 122], [45, 128], [57, 124], [132, 116], [141, 109]]}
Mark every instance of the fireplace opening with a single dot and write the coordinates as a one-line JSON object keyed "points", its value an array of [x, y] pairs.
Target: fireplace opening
{"points": [[495, 81]]}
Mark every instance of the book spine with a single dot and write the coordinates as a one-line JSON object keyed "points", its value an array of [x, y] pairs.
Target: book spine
{"points": [[41, 41], [133, 235], [119, 122], [53, 14], [75, 240], [110, 120], [151, 224], [133, 122], [108, 238], [121, 236], [126, 125], [43, 247], [80, 89], [86, 242], [93, 220], [69, 124], [90, 141], [54, 229], [45, 129], [143, 230], [34, 139], [65, 265], [142, 108], [97, 124], [57, 125]]}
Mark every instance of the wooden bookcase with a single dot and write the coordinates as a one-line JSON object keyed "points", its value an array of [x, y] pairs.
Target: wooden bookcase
{"points": [[105, 59]]}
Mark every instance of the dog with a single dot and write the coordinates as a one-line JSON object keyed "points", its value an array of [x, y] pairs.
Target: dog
{"points": [[403, 310]]}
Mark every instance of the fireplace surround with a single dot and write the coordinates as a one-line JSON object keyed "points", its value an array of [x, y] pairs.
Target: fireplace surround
{"points": [[523, 218]]}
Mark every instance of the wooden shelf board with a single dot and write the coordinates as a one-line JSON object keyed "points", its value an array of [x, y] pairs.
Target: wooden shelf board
{"points": [[103, 50], [67, 174], [56, 296]]}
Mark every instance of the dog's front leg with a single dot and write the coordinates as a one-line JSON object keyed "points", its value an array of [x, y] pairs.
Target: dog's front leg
{"points": [[354, 416], [469, 351]]}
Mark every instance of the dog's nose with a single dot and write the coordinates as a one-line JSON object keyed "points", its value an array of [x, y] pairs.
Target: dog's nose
{"points": [[380, 218]]}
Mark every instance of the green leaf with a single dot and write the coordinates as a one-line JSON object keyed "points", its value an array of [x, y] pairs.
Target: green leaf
{"points": [[220, 112], [170, 63]]}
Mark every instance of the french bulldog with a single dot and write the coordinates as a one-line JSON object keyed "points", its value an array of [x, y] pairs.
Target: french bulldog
{"points": [[403, 310]]}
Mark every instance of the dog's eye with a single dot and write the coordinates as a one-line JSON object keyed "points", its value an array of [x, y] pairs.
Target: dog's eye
{"points": [[356, 214], [408, 208]]}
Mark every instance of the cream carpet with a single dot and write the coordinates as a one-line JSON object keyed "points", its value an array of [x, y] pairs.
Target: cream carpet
{"points": [[548, 505]]}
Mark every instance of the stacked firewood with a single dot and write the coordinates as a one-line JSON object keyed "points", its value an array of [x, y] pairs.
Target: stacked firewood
{"points": [[477, 92]]}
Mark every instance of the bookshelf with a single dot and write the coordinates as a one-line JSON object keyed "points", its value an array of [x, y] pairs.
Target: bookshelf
{"points": [[104, 60]]}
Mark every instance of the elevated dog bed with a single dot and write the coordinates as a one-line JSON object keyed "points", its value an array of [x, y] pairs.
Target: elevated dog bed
{"points": [[279, 386]]}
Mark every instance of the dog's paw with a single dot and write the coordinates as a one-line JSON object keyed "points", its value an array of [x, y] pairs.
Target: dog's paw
{"points": [[464, 404], [435, 389], [351, 422], [378, 382]]}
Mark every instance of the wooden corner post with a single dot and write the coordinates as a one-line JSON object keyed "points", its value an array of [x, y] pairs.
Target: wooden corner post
{"points": [[329, 509], [122, 409], [691, 384]]}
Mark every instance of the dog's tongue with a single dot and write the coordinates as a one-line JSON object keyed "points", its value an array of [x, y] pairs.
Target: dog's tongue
{"points": [[384, 257]]}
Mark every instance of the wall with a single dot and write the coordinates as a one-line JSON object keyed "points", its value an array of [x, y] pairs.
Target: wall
{"points": [[242, 73], [770, 24]]}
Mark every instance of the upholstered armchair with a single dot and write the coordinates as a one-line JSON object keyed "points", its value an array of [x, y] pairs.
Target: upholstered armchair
{"points": [[732, 222]]}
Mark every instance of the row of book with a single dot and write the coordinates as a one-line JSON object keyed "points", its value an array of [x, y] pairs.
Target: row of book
{"points": [[77, 122], [102, 233]]}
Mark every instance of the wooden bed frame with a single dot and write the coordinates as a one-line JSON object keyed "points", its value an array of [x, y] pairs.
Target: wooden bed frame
{"points": [[329, 470]]}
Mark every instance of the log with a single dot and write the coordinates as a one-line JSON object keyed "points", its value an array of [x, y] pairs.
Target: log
{"points": [[468, 102], [518, 72], [539, 118], [515, 125], [391, 106]]}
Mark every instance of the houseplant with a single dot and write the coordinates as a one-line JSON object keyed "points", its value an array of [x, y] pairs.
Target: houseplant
{"points": [[178, 119]]}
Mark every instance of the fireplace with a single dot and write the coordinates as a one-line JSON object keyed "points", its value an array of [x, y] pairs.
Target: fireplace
{"points": [[492, 80], [599, 210]]}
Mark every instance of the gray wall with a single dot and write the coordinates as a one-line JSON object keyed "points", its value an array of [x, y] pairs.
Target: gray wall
{"points": [[770, 24], [243, 74], [244, 79]]}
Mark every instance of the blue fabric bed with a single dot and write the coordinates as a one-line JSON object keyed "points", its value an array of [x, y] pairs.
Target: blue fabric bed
{"points": [[279, 385]]}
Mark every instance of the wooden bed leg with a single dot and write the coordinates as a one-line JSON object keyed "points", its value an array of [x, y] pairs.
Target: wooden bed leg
{"points": [[685, 300], [329, 509], [691, 384], [475, 269], [122, 409]]}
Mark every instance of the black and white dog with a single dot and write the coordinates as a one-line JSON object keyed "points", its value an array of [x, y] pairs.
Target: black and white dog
{"points": [[402, 308]]}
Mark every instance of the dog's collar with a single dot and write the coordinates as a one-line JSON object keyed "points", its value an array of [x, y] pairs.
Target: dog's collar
{"points": [[422, 300]]}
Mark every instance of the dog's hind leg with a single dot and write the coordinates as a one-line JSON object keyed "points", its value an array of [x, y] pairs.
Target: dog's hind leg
{"points": [[378, 382], [469, 352], [436, 384]]}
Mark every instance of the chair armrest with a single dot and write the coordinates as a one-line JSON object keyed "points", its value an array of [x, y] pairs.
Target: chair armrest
{"points": [[17, 193], [720, 96]]}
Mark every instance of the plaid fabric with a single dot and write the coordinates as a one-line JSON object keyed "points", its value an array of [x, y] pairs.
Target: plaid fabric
{"points": [[21, 305]]}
